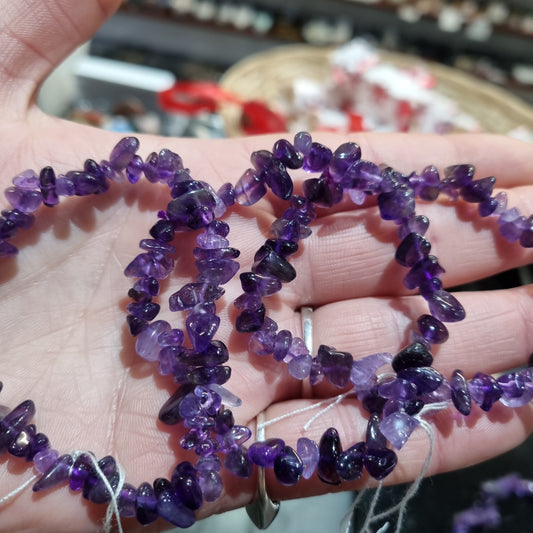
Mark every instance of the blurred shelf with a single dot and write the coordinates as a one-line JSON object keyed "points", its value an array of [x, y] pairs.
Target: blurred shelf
{"points": [[161, 29]]}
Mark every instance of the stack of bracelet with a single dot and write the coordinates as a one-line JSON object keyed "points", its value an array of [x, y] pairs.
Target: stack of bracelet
{"points": [[197, 361]]}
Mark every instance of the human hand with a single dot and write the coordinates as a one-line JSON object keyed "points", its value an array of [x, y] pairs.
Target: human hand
{"points": [[65, 344]]}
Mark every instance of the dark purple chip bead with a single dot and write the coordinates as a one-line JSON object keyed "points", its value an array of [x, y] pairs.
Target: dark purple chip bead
{"points": [[264, 285], [278, 179], [18, 218], [146, 504], [249, 320], [432, 329], [216, 271], [322, 192], [135, 324], [445, 307], [209, 374], [184, 480], [350, 462], [287, 154], [223, 421], [194, 293], [460, 175], [170, 411], [329, 449], [216, 253], [460, 394], [201, 328], [86, 184], [427, 184], [134, 169], [145, 310], [39, 443], [123, 153], [526, 237], [98, 491], [513, 384], [478, 191], [318, 158], [484, 390], [343, 158], [56, 475], [336, 365], [282, 343], [126, 500], [168, 164], [413, 407], [227, 194], [487, 207], [303, 142], [20, 446], [47, 181], [426, 378], [415, 354], [397, 389], [215, 354], [8, 229], [423, 271], [415, 224], [412, 249], [288, 467], [374, 438], [397, 204], [170, 507], [264, 453], [380, 462], [238, 462], [250, 188], [372, 401], [82, 469], [163, 230], [25, 200], [14, 421], [267, 262]]}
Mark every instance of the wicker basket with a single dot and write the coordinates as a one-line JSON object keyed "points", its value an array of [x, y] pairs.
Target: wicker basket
{"points": [[269, 76]]}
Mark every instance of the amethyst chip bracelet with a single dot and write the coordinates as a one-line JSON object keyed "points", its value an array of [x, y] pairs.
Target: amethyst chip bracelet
{"points": [[395, 399]]}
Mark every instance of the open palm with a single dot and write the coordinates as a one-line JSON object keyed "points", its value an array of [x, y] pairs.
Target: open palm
{"points": [[64, 340]]}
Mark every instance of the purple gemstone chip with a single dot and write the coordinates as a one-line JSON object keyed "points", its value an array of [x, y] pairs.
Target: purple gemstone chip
{"points": [[329, 449]]}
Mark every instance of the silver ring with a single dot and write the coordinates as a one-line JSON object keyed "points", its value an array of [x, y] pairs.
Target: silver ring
{"points": [[262, 510], [307, 327]]}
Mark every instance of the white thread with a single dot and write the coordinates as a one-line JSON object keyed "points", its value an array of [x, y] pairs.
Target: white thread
{"points": [[333, 401], [112, 508], [346, 522], [401, 506], [337, 401], [430, 407], [18, 490], [370, 513]]}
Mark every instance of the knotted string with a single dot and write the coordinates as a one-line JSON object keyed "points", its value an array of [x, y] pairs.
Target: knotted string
{"points": [[401, 506], [112, 508], [329, 402]]}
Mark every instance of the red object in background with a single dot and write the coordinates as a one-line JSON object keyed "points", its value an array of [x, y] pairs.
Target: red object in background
{"points": [[404, 115], [258, 118], [355, 122], [193, 97]]}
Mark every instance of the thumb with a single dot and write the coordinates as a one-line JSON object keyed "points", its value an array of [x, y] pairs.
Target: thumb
{"points": [[35, 36]]}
